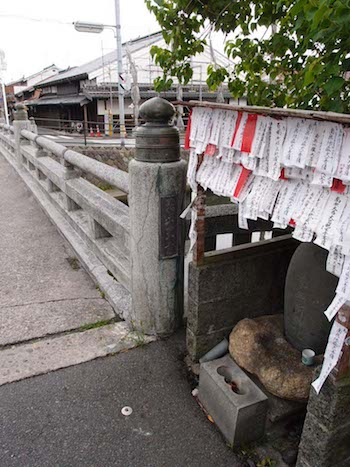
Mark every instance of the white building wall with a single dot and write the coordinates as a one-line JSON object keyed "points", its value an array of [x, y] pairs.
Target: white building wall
{"points": [[44, 74], [148, 70], [103, 107], [18, 88]]}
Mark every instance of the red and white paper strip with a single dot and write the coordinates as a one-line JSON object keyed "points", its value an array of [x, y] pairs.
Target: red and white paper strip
{"points": [[248, 133]]}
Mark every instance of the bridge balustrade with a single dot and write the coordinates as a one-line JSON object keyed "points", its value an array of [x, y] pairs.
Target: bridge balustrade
{"points": [[132, 252]]}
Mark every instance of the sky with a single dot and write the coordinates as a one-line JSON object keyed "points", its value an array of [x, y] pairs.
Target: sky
{"points": [[35, 34]]}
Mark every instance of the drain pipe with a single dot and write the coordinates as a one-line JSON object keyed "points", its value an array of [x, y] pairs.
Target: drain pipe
{"points": [[216, 352]]}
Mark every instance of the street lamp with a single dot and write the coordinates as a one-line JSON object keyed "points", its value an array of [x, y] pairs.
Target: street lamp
{"points": [[97, 28]]}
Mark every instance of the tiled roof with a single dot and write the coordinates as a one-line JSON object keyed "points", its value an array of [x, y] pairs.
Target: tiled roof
{"points": [[59, 101]]}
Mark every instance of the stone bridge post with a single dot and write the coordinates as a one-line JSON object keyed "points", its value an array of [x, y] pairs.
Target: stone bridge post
{"points": [[157, 194], [20, 123], [325, 440]]}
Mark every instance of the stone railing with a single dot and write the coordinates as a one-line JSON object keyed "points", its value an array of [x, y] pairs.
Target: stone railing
{"points": [[134, 254]]}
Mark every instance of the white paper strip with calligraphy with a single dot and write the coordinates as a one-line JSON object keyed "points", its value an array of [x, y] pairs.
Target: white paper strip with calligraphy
{"points": [[334, 307], [332, 354]]}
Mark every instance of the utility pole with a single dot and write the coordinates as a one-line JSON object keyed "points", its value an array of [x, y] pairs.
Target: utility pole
{"points": [[135, 90], [97, 28], [120, 72], [5, 102], [3, 68]]}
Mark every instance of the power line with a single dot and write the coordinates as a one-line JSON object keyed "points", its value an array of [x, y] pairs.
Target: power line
{"points": [[38, 20]]}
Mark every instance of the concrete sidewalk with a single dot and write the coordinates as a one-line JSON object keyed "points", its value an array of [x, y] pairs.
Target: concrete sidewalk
{"points": [[51, 314], [72, 417], [52, 317]]}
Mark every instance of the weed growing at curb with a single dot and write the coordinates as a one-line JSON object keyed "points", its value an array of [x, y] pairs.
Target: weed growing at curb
{"points": [[136, 336], [74, 262], [98, 324], [267, 462], [103, 295]]}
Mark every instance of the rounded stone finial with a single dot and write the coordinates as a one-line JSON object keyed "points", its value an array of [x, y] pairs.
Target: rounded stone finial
{"points": [[157, 111], [21, 112], [158, 139]]}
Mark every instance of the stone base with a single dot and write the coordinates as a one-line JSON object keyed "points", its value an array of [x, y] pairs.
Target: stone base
{"points": [[280, 410], [259, 346]]}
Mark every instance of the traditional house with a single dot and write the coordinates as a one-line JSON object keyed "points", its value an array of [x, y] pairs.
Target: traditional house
{"points": [[23, 88], [61, 99]]}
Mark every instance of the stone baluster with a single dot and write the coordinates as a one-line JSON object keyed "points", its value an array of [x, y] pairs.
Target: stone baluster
{"points": [[33, 125], [157, 193], [20, 123], [70, 172], [7, 134]]}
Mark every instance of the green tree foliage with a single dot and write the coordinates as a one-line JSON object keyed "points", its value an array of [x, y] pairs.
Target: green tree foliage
{"points": [[300, 61]]}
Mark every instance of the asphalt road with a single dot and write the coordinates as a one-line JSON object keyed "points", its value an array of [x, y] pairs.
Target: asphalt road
{"points": [[72, 417]]}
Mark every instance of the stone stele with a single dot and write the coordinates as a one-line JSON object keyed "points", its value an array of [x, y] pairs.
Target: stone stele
{"points": [[259, 346]]}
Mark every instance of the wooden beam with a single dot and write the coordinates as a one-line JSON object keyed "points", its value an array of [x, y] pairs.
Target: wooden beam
{"points": [[85, 123], [273, 112], [199, 206]]}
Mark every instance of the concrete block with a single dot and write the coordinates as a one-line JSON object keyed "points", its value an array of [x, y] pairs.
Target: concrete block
{"points": [[240, 414]]}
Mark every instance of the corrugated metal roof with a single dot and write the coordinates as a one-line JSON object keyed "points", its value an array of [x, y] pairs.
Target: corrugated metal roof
{"points": [[83, 70]]}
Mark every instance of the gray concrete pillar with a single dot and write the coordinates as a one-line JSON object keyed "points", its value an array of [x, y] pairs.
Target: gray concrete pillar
{"points": [[325, 440], [20, 123], [157, 194]]}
